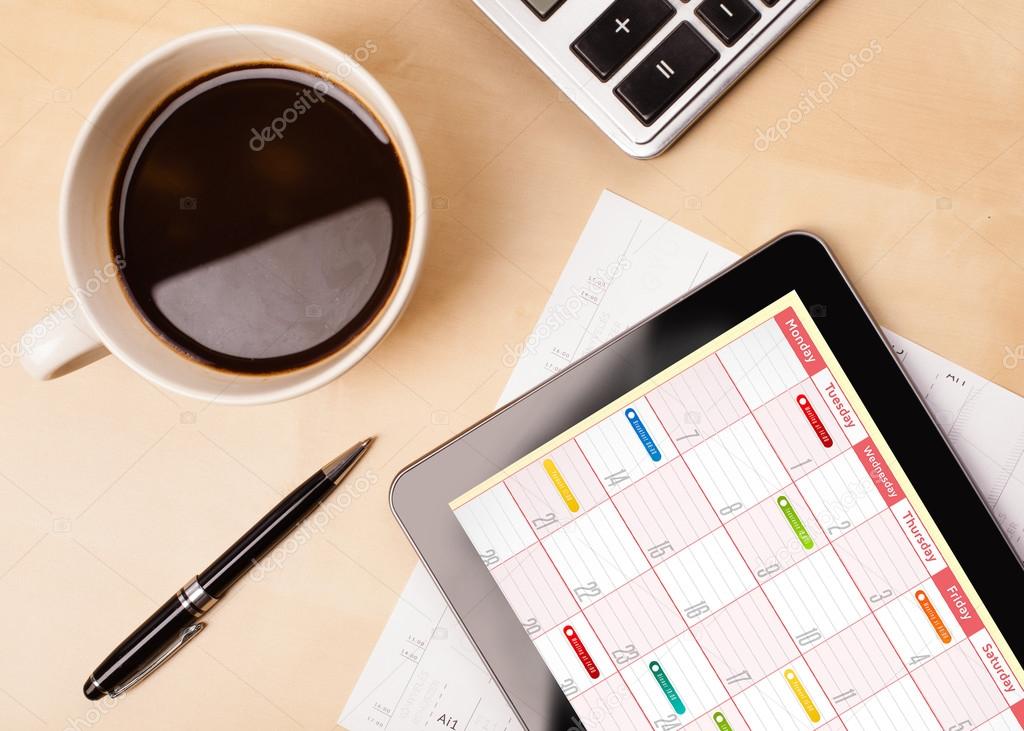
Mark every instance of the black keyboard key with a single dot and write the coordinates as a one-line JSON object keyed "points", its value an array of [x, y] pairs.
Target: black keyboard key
{"points": [[543, 8], [729, 19], [619, 32], [663, 76]]}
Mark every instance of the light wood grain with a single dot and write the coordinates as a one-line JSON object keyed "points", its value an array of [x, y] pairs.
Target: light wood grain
{"points": [[113, 493]]}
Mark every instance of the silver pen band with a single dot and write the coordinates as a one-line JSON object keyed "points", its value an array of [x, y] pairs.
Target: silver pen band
{"points": [[94, 685], [195, 598]]}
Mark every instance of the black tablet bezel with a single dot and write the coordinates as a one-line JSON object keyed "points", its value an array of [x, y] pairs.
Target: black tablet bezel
{"points": [[799, 261]]}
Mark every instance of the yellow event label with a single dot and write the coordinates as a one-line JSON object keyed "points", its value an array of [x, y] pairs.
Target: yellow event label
{"points": [[801, 695], [561, 485]]}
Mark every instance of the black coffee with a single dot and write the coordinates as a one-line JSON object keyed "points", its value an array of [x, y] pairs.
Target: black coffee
{"points": [[263, 216]]}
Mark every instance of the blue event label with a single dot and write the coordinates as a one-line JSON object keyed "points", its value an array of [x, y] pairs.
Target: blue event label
{"points": [[641, 432]]}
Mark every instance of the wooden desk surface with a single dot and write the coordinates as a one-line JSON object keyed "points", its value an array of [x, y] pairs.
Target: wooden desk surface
{"points": [[114, 493]]}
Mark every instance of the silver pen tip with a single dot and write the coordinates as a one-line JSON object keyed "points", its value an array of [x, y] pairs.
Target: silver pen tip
{"points": [[338, 467]]}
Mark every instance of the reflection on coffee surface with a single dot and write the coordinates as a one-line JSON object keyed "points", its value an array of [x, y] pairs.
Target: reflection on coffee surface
{"points": [[263, 215]]}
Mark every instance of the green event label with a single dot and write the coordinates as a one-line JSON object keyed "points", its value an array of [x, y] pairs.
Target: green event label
{"points": [[795, 523], [719, 718]]}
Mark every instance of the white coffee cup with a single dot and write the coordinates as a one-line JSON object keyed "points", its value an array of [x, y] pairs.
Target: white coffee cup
{"points": [[97, 316]]}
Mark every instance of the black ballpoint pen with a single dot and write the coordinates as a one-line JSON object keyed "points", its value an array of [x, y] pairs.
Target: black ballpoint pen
{"points": [[175, 623]]}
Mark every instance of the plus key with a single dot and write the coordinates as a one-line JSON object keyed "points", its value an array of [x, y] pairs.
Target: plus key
{"points": [[619, 32]]}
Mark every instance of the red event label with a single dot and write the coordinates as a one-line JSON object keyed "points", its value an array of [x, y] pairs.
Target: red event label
{"points": [[879, 472], [581, 651], [799, 341], [957, 601], [812, 418]]}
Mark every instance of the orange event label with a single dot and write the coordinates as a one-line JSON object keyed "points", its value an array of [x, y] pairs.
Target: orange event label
{"points": [[933, 616]]}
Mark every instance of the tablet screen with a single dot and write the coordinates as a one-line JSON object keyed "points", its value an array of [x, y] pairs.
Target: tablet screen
{"points": [[733, 545]]}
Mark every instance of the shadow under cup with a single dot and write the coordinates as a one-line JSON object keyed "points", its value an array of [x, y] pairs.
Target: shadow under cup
{"points": [[95, 172]]}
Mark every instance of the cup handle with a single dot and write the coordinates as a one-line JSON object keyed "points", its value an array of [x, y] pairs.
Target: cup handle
{"points": [[59, 343]]}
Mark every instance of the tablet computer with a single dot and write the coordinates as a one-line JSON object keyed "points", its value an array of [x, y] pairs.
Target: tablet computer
{"points": [[736, 515]]}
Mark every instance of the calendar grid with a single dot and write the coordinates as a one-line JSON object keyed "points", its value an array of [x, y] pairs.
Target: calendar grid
{"points": [[667, 464], [853, 581], [776, 668], [909, 673], [578, 606], [779, 668], [537, 536], [760, 587], [681, 546], [651, 568]]}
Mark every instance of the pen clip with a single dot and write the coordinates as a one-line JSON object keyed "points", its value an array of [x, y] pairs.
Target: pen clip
{"points": [[163, 656]]}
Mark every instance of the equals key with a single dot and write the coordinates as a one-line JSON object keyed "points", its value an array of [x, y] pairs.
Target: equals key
{"points": [[671, 68]]}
